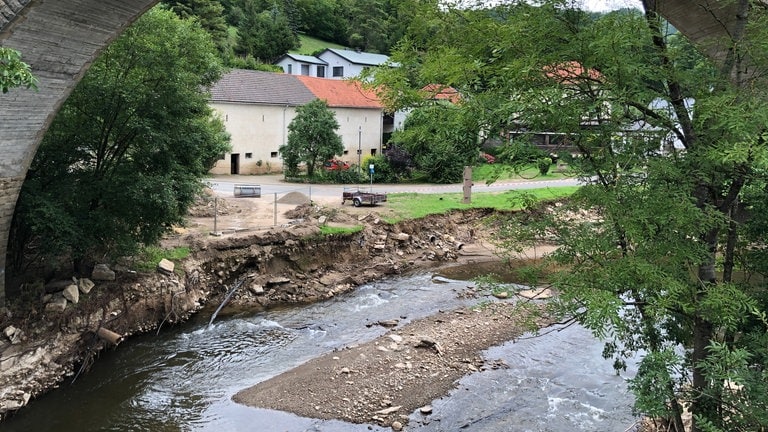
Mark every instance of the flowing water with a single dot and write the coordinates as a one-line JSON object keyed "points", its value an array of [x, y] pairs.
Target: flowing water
{"points": [[183, 379]]}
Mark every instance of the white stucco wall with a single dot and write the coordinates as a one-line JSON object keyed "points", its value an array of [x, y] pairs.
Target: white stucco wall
{"points": [[256, 129], [333, 60], [261, 129], [296, 67], [359, 128]]}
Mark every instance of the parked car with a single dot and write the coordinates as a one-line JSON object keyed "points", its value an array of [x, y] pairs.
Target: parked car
{"points": [[335, 165]]}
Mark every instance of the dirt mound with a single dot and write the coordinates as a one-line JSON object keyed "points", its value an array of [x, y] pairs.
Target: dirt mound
{"points": [[302, 211], [294, 198], [206, 205]]}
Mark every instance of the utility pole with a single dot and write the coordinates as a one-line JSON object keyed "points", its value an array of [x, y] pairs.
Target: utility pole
{"points": [[359, 146]]}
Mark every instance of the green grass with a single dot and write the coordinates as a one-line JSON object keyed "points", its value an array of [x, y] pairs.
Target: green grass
{"points": [[310, 45], [414, 205], [329, 230], [148, 259], [482, 173]]}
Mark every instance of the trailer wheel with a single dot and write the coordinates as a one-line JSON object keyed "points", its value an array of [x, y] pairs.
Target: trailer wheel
{"points": [[357, 202]]}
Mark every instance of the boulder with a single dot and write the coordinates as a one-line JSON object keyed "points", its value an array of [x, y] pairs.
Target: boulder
{"points": [[71, 293], [85, 285], [102, 272], [278, 280], [57, 304], [401, 237], [10, 331], [166, 266]]}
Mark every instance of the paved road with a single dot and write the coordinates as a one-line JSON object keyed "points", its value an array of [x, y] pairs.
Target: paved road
{"points": [[224, 186]]}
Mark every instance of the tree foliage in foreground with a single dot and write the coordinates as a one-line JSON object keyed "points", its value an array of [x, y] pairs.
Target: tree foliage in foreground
{"points": [[440, 140], [665, 247], [13, 71], [312, 138], [124, 157]]}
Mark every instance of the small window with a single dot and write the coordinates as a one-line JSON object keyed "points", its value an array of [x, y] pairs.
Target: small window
{"points": [[305, 70], [338, 71], [321, 71], [249, 155], [373, 152], [222, 156], [290, 68], [273, 154], [346, 152]]}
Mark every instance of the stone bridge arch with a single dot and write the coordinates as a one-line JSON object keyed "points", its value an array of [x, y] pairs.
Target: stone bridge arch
{"points": [[60, 39]]}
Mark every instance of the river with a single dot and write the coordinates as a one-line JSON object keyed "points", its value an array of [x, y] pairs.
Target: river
{"points": [[183, 378]]}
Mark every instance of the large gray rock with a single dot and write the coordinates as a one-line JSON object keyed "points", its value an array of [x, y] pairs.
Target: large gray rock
{"points": [[71, 293], [102, 272], [401, 237], [85, 285], [166, 266], [57, 304]]}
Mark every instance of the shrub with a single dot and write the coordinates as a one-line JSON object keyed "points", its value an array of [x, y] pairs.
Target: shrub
{"points": [[544, 164]]}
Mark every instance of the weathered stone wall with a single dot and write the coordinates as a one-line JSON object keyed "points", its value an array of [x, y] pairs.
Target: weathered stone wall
{"points": [[59, 40], [8, 190]]}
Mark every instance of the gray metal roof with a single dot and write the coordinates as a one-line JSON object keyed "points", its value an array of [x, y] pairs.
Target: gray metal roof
{"points": [[359, 57], [304, 58], [249, 86]]}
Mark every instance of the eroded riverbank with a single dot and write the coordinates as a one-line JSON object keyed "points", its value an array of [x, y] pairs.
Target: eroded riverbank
{"points": [[292, 264]]}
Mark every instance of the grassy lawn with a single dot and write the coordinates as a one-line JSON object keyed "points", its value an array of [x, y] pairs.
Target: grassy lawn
{"points": [[414, 205], [310, 45], [481, 173]]}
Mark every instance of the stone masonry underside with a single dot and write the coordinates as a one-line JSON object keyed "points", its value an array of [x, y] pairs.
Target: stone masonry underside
{"points": [[60, 38]]}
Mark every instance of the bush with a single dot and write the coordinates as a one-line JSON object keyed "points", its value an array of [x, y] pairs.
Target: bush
{"points": [[544, 164], [382, 171]]}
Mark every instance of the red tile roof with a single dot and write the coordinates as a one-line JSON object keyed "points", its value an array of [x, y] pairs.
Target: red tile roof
{"points": [[571, 72], [341, 93], [442, 92]]}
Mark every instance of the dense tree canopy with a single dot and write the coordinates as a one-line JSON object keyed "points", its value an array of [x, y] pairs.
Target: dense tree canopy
{"points": [[312, 138], [251, 33], [210, 15], [440, 141], [265, 35], [123, 159], [668, 256]]}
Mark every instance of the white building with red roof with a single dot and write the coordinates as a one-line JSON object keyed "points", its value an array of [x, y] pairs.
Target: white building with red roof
{"points": [[257, 108]]}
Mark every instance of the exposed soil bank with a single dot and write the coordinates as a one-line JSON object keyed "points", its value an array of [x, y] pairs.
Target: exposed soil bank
{"points": [[44, 347]]}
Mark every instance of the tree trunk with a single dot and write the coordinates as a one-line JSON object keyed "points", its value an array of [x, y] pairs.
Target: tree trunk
{"points": [[702, 335], [701, 404], [729, 261]]}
